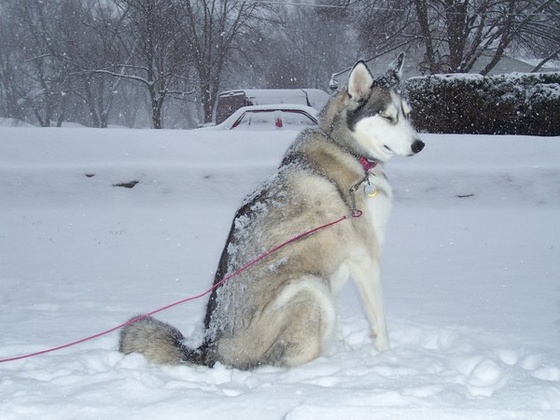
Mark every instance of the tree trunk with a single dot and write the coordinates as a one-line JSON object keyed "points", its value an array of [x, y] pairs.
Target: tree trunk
{"points": [[157, 104], [422, 13], [205, 98]]}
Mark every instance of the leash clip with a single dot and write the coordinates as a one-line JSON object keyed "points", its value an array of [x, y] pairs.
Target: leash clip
{"points": [[354, 211]]}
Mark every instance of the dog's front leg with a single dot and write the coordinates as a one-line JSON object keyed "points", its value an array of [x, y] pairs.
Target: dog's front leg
{"points": [[367, 276]]}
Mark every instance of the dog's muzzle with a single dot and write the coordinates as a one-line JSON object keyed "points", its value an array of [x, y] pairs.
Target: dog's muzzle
{"points": [[417, 146]]}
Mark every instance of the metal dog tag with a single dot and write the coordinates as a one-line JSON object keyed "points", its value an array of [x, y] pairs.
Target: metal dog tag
{"points": [[370, 189]]}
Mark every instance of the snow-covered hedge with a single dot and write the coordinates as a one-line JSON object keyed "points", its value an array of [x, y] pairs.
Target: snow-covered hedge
{"points": [[515, 103]]}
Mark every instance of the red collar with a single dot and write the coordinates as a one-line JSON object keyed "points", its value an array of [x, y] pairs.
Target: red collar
{"points": [[367, 164]]}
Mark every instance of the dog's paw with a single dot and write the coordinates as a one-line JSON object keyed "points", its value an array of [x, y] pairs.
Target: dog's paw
{"points": [[381, 343]]}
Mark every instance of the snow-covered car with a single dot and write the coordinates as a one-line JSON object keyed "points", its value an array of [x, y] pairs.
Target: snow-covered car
{"points": [[276, 116], [230, 101]]}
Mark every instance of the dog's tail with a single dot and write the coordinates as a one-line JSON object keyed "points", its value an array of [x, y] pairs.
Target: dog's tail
{"points": [[160, 343]]}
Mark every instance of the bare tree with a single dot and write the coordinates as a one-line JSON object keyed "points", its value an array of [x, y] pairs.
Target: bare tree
{"points": [[308, 42], [156, 53], [542, 37], [90, 32], [9, 74], [216, 31], [95, 61], [45, 45], [384, 24], [456, 34], [41, 83]]}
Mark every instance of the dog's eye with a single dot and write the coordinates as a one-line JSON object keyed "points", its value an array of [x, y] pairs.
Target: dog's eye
{"points": [[388, 117]]}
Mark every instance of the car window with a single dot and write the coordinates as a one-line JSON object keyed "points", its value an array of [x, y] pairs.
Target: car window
{"points": [[255, 120], [294, 118]]}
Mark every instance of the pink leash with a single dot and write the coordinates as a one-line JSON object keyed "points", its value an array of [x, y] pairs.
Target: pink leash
{"points": [[355, 213]]}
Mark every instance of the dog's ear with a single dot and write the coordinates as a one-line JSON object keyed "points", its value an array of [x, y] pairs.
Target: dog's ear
{"points": [[360, 82], [394, 72], [392, 78]]}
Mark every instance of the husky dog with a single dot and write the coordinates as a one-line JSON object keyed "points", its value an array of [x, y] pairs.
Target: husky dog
{"points": [[282, 310]]}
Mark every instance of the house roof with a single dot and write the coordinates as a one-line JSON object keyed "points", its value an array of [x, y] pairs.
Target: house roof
{"points": [[415, 55]]}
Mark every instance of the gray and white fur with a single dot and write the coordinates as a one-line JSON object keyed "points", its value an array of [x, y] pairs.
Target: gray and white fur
{"points": [[283, 310]]}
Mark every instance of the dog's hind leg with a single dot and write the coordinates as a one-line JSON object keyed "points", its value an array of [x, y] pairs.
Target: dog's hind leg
{"points": [[290, 331], [309, 321], [368, 278]]}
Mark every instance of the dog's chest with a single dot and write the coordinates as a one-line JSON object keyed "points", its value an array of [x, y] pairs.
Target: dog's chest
{"points": [[377, 197]]}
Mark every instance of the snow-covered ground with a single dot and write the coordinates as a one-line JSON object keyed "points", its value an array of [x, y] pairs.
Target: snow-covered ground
{"points": [[471, 279]]}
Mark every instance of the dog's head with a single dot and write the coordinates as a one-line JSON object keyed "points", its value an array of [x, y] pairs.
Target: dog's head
{"points": [[378, 116]]}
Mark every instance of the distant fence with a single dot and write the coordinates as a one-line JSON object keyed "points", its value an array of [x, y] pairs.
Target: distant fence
{"points": [[516, 103]]}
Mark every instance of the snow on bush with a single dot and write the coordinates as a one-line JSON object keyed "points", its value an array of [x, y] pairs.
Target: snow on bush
{"points": [[515, 103]]}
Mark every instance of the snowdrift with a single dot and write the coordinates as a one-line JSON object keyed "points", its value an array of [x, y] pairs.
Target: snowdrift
{"points": [[471, 279]]}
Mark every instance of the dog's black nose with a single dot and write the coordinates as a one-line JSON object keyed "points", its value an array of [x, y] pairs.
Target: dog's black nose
{"points": [[417, 146]]}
